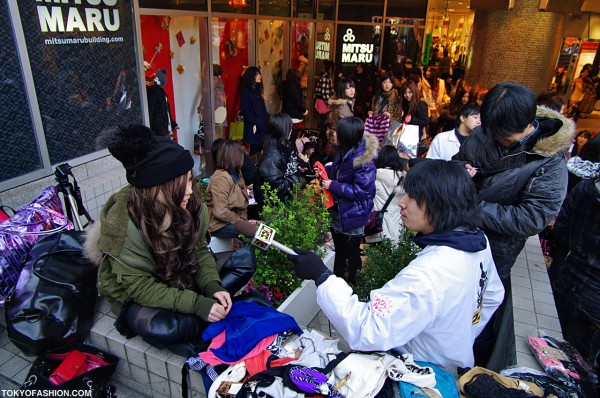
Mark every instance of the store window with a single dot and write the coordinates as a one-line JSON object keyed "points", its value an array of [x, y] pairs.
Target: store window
{"points": [[234, 6], [278, 8], [20, 154], [176, 49], [359, 10], [271, 37], [326, 9], [84, 71], [400, 43], [192, 5], [230, 49]]}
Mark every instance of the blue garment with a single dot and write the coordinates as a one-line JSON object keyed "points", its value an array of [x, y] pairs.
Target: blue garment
{"points": [[254, 111], [245, 326], [469, 241], [444, 383], [353, 183]]}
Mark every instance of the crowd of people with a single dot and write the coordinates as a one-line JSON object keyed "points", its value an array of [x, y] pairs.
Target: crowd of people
{"points": [[491, 170]]}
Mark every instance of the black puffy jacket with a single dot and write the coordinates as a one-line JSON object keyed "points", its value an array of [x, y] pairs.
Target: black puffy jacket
{"points": [[521, 191], [278, 167]]}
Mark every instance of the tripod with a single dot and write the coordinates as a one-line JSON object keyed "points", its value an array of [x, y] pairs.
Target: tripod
{"points": [[72, 196]]}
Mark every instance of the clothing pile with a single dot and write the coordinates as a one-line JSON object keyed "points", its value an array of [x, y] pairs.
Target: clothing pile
{"points": [[258, 351]]}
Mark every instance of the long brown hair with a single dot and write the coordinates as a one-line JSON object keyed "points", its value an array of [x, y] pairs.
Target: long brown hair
{"points": [[413, 104], [171, 231]]}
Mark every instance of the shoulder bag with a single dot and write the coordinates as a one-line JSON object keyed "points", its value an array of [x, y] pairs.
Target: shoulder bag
{"points": [[375, 224], [53, 302]]}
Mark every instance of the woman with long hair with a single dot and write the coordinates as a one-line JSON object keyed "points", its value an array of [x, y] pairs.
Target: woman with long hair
{"points": [[581, 86], [414, 111], [582, 137], [352, 184], [226, 194], [254, 110], [391, 170], [461, 97], [151, 247], [291, 96], [343, 105], [413, 107], [279, 164], [386, 100]]}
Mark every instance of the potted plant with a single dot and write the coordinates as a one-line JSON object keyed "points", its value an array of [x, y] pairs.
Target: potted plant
{"points": [[383, 262], [298, 222]]}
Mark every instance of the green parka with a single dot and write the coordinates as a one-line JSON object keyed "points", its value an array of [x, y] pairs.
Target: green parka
{"points": [[127, 267]]}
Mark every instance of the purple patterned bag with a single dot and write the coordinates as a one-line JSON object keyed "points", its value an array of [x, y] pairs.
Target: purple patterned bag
{"points": [[41, 217], [378, 125]]}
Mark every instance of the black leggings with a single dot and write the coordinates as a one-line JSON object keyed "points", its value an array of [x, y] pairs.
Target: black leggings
{"points": [[347, 253]]}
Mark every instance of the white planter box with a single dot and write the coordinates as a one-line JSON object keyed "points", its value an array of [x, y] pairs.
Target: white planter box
{"points": [[302, 303]]}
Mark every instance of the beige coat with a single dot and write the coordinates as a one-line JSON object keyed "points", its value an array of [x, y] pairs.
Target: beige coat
{"points": [[227, 201]]}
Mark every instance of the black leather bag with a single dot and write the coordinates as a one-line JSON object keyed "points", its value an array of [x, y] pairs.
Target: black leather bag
{"points": [[97, 370], [53, 302]]}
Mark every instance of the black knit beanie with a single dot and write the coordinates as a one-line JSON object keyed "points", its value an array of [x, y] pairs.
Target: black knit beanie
{"points": [[149, 160]]}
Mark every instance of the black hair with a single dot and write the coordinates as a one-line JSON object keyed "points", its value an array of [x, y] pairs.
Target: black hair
{"points": [[388, 158], [576, 151], [343, 84], [446, 192], [466, 111], [279, 127], [382, 78], [591, 149], [349, 133], [508, 109], [550, 99], [249, 78]]}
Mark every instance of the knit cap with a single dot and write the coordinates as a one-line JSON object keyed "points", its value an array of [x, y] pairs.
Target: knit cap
{"points": [[149, 160]]}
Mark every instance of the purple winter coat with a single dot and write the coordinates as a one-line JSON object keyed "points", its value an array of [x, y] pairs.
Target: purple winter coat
{"points": [[353, 183]]}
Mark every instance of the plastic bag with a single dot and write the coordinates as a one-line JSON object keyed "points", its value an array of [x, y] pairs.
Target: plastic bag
{"points": [[563, 363], [541, 379]]}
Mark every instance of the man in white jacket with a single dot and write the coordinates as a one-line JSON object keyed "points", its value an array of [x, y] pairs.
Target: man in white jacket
{"points": [[438, 304], [446, 144]]}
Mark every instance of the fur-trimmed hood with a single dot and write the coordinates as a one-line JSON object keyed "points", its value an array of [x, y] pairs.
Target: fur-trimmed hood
{"points": [[371, 150], [557, 132], [338, 102]]}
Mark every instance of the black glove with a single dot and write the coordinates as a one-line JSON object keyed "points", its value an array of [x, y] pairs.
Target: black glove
{"points": [[307, 264]]}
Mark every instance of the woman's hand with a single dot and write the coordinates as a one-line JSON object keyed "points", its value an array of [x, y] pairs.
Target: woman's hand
{"points": [[370, 113], [325, 184], [386, 113], [471, 170], [408, 118], [217, 313], [224, 299]]}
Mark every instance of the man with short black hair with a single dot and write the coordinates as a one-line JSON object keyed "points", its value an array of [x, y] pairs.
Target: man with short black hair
{"points": [[516, 158], [436, 306]]}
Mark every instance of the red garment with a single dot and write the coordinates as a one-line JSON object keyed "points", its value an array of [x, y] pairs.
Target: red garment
{"points": [[322, 175], [210, 358], [259, 363]]}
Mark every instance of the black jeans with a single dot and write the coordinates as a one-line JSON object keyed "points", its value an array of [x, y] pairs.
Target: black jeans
{"points": [[347, 253]]}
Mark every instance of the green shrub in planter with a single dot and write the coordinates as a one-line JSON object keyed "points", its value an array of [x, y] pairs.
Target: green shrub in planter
{"points": [[383, 262], [298, 222]]}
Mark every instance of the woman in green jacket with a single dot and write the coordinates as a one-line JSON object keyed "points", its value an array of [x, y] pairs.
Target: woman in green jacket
{"points": [[151, 244]]}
